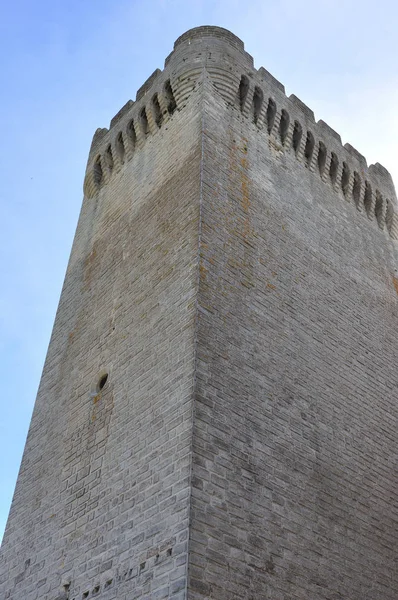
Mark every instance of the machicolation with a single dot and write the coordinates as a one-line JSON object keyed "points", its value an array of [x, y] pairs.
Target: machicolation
{"points": [[288, 122]]}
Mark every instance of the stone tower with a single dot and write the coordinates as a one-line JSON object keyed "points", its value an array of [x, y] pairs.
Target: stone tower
{"points": [[217, 416]]}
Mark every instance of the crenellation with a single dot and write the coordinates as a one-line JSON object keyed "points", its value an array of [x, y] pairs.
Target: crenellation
{"points": [[97, 141], [270, 79], [138, 121], [309, 114], [355, 154], [286, 118], [328, 131], [143, 90], [121, 113], [383, 181]]}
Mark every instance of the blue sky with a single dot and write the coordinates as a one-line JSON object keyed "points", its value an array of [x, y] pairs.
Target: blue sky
{"points": [[68, 67]]}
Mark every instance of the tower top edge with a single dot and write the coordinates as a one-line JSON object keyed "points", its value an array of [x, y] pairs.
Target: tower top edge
{"points": [[222, 55], [206, 31]]}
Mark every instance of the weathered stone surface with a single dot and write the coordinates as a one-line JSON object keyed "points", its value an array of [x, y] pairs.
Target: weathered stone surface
{"points": [[234, 274]]}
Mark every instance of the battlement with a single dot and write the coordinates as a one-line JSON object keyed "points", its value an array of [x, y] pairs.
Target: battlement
{"points": [[289, 124]]}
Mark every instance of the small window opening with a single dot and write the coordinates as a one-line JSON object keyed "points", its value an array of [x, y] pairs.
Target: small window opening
{"points": [[345, 179], [321, 157], [102, 381], [356, 189], [297, 135], [309, 147], [170, 100], [85, 594], [109, 157], [121, 150], [157, 111], [257, 103], [243, 91], [132, 134], [169, 551], [367, 199], [96, 589], [379, 209], [98, 174], [334, 167], [271, 113], [284, 126], [108, 583], [144, 122]]}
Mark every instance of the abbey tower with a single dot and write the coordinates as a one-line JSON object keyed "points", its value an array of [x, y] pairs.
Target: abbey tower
{"points": [[217, 415]]}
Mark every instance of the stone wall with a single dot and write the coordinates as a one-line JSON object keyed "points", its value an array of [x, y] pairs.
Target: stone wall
{"points": [[217, 417], [295, 434], [102, 502]]}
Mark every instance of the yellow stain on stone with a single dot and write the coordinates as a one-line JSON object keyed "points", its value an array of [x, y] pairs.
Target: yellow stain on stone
{"points": [[395, 282], [203, 272]]}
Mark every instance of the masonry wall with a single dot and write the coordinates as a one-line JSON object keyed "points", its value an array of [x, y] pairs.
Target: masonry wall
{"points": [[234, 275], [294, 489], [101, 504]]}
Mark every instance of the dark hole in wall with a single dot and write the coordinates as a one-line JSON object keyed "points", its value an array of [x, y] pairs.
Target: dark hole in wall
{"points": [[284, 126], [170, 100], [297, 135], [257, 103], [309, 147], [144, 122], [345, 178], [334, 167], [157, 111], [271, 113], [379, 209], [102, 381], [389, 214], [98, 174], [120, 148], [243, 91], [109, 157], [321, 157], [356, 188], [367, 199], [132, 134]]}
